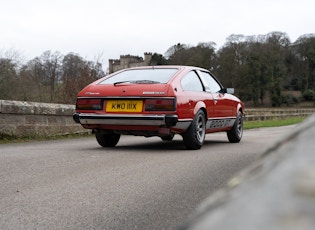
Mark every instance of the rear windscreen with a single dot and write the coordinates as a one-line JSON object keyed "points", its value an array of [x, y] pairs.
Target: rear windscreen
{"points": [[141, 75]]}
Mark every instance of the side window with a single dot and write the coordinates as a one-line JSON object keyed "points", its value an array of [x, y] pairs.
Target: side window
{"points": [[191, 82], [213, 85]]}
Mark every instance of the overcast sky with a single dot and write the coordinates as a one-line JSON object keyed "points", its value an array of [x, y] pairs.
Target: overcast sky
{"points": [[111, 28]]}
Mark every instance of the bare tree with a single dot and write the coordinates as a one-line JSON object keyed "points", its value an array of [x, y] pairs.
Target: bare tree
{"points": [[76, 74]]}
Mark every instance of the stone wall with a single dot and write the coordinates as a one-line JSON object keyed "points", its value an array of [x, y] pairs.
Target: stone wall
{"points": [[261, 114], [19, 118]]}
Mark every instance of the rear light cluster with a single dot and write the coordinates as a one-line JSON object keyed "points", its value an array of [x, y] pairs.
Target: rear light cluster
{"points": [[160, 105], [89, 104]]}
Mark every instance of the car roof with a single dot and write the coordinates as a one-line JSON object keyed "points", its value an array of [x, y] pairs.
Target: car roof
{"points": [[179, 67]]}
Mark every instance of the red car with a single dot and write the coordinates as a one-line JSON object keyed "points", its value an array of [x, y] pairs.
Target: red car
{"points": [[160, 101]]}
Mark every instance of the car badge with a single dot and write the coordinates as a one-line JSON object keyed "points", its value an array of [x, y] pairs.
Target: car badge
{"points": [[155, 93], [92, 93]]}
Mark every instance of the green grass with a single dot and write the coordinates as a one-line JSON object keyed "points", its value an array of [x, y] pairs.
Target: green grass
{"points": [[272, 123]]}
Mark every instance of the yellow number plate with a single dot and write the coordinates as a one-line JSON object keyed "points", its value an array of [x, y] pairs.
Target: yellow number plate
{"points": [[124, 106]]}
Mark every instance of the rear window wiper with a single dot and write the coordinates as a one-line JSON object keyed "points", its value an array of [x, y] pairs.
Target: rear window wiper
{"points": [[122, 82], [147, 82], [137, 82]]}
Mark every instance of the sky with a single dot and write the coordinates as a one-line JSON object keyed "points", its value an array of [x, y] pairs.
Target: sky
{"points": [[105, 29]]}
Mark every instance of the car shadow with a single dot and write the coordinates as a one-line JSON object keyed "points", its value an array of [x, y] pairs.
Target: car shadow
{"points": [[156, 145], [159, 145]]}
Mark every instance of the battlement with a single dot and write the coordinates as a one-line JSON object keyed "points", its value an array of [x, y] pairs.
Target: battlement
{"points": [[127, 61]]}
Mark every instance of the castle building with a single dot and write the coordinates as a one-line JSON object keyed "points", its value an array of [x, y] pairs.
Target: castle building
{"points": [[128, 61]]}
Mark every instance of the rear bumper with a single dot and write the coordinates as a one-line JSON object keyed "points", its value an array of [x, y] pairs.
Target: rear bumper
{"points": [[167, 120]]}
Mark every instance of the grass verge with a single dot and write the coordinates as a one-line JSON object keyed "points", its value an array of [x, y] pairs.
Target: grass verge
{"points": [[272, 123]]}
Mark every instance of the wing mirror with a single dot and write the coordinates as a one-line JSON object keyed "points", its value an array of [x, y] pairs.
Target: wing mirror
{"points": [[227, 90], [230, 90]]}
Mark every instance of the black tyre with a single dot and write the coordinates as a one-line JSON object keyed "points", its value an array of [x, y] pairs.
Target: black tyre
{"points": [[107, 139], [168, 137], [194, 136], [235, 134]]}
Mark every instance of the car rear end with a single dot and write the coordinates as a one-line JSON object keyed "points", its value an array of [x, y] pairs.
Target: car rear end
{"points": [[137, 106]]}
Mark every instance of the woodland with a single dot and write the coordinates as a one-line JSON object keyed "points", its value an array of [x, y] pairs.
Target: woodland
{"points": [[265, 70]]}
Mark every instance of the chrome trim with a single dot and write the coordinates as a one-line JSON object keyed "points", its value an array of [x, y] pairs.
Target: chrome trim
{"points": [[168, 120], [126, 119]]}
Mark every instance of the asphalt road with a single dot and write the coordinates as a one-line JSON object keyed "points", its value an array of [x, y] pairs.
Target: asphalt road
{"points": [[142, 183]]}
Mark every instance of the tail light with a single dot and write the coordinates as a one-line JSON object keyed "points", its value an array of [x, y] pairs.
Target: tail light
{"points": [[89, 104], [160, 105]]}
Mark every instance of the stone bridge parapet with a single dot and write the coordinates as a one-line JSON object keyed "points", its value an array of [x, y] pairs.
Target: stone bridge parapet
{"points": [[21, 118]]}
